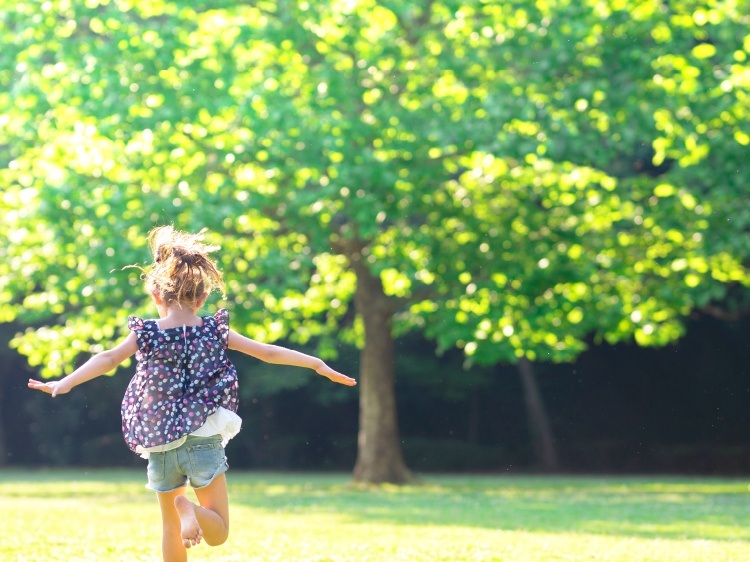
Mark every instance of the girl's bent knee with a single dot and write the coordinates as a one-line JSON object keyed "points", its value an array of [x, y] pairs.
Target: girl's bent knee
{"points": [[217, 540]]}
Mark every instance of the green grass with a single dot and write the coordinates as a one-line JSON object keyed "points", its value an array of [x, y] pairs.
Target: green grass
{"points": [[109, 515]]}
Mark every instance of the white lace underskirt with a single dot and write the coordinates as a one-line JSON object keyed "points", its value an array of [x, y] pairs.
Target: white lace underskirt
{"points": [[222, 422]]}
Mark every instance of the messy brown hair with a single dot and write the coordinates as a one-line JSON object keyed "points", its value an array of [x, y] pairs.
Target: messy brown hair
{"points": [[182, 272]]}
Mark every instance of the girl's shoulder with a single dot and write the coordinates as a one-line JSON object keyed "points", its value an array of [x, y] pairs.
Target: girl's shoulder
{"points": [[220, 322], [137, 324], [145, 332], [221, 316]]}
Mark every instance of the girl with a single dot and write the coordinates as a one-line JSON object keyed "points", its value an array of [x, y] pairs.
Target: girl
{"points": [[179, 410]]}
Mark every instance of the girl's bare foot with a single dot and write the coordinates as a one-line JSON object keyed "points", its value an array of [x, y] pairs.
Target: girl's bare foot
{"points": [[191, 531]]}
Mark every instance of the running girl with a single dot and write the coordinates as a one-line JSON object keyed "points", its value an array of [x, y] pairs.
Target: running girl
{"points": [[179, 409]]}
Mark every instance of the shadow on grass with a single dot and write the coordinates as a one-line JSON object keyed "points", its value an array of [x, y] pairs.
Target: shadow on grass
{"points": [[670, 508]]}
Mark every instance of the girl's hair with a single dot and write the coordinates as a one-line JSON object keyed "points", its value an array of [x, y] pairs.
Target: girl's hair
{"points": [[182, 272]]}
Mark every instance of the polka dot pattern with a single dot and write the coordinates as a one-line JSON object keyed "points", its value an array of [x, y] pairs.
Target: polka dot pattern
{"points": [[182, 376]]}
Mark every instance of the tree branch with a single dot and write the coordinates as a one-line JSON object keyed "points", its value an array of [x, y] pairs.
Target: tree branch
{"points": [[724, 315]]}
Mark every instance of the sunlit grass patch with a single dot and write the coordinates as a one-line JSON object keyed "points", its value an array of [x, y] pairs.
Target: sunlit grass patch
{"points": [[109, 515]]}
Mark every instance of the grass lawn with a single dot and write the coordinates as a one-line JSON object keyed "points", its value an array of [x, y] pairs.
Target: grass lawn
{"points": [[109, 515]]}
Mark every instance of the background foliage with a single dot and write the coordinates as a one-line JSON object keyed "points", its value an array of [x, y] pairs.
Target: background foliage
{"points": [[617, 409]]}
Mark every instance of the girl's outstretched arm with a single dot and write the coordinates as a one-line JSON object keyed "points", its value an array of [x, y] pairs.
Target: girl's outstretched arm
{"points": [[283, 356], [97, 365]]}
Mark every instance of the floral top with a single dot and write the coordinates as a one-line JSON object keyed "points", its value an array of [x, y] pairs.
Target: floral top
{"points": [[182, 376]]}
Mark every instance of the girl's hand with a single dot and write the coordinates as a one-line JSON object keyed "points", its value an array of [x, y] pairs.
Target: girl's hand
{"points": [[54, 388], [335, 376]]}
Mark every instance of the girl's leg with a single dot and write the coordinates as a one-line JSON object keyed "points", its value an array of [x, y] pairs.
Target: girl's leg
{"points": [[172, 547], [211, 516]]}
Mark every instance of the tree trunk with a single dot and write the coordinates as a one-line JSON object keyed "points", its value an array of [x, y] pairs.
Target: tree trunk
{"points": [[472, 435], [3, 449], [379, 456], [541, 434]]}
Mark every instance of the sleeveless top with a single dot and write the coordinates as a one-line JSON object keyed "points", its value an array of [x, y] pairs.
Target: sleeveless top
{"points": [[183, 378]]}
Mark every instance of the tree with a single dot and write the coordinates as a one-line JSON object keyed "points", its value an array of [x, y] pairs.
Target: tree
{"points": [[622, 196], [507, 178]]}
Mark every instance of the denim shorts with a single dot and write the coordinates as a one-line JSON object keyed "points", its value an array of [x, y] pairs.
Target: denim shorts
{"points": [[198, 460]]}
